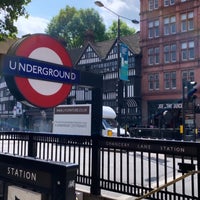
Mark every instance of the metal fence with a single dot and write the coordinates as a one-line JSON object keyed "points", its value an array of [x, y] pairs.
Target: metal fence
{"points": [[126, 165]]}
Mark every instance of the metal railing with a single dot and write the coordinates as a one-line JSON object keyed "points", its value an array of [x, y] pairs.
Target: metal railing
{"points": [[156, 190], [126, 165]]}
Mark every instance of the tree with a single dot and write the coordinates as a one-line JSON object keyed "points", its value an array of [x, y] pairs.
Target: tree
{"points": [[70, 25], [11, 10], [124, 30]]}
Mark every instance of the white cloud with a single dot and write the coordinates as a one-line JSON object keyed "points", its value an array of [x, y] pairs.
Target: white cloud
{"points": [[126, 8], [31, 25]]}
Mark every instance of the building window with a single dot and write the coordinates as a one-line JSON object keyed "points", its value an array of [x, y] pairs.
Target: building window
{"points": [[170, 25], [188, 75], [170, 80], [131, 72], [191, 21], [173, 53], [167, 80], [156, 81], [187, 22], [156, 28], [130, 90], [109, 95], [153, 56], [187, 51], [153, 29], [153, 81], [170, 53], [131, 61], [166, 54], [173, 80], [153, 4], [157, 55], [169, 2]]}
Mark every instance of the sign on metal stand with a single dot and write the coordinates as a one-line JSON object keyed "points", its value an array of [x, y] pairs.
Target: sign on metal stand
{"points": [[43, 65]]}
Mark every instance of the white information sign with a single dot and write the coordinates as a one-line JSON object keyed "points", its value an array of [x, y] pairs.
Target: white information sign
{"points": [[72, 119], [17, 193]]}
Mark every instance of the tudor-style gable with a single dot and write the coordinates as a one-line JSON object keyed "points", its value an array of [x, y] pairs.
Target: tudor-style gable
{"points": [[88, 56]]}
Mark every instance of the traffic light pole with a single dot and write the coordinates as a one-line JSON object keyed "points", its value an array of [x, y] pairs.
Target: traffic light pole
{"points": [[183, 110], [188, 92]]}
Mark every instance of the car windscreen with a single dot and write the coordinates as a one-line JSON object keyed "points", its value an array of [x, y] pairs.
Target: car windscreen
{"points": [[110, 123]]}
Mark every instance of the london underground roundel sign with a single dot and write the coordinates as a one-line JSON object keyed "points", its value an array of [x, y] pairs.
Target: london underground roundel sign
{"points": [[39, 71]]}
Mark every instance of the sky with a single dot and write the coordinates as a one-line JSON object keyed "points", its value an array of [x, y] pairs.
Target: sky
{"points": [[42, 11]]}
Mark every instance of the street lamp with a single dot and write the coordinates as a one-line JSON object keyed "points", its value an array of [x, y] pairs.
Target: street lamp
{"points": [[120, 82], [182, 130], [100, 4]]}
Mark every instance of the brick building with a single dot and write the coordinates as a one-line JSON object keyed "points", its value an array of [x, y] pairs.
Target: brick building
{"points": [[169, 39]]}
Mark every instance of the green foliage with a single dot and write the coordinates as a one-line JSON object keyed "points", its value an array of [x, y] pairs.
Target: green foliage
{"points": [[70, 26], [124, 30], [10, 10]]}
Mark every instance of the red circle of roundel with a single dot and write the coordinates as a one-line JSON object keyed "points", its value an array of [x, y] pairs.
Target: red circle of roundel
{"points": [[24, 49]]}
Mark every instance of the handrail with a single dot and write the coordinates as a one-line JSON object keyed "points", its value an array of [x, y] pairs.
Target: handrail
{"points": [[168, 184]]}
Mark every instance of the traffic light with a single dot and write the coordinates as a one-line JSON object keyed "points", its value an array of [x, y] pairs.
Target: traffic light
{"points": [[191, 88]]}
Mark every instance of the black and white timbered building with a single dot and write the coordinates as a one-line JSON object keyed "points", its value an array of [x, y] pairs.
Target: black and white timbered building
{"points": [[102, 58]]}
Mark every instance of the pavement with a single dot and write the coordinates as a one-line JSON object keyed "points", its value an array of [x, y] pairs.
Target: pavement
{"points": [[84, 193]]}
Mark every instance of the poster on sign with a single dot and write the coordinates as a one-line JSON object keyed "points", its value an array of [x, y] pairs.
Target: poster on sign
{"points": [[72, 119]]}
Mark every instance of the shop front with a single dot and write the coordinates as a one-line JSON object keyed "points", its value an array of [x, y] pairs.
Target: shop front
{"points": [[165, 114]]}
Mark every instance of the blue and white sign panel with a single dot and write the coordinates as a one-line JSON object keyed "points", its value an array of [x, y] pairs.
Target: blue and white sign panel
{"points": [[123, 71], [35, 69]]}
